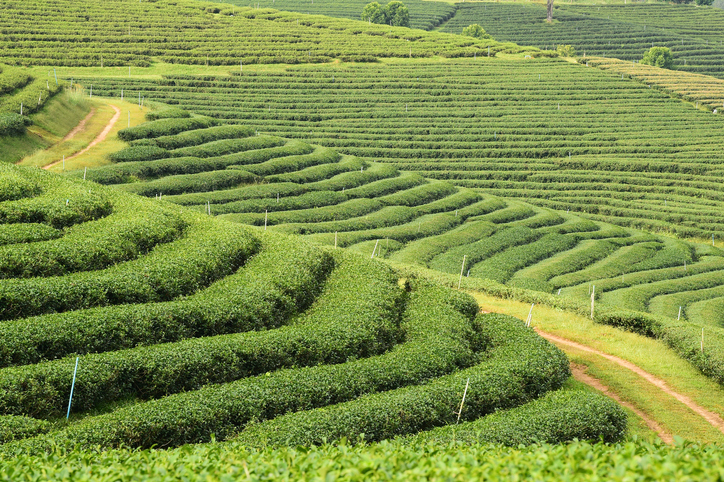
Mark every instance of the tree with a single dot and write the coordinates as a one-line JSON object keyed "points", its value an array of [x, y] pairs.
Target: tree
{"points": [[659, 57], [396, 14], [374, 13], [476, 31], [549, 18], [566, 51]]}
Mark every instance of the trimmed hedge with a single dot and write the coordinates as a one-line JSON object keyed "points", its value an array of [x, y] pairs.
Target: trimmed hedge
{"points": [[198, 136], [188, 183], [265, 148], [282, 280], [558, 417], [209, 251], [439, 337], [27, 233], [357, 315], [14, 427], [13, 124], [165, 127], [520, 367], [167, 113], [129, 232]]}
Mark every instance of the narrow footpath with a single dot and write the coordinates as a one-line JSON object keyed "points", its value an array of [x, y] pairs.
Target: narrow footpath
{"points": [[100, 138]]}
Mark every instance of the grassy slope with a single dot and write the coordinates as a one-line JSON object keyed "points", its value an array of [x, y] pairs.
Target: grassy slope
{"points": [[57, 118]]}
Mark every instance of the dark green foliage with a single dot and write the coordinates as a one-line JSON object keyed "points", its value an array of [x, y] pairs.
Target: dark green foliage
{"points": [[14, 427], [659, 57], [356, 316], [208, 251], [167, 113], [188, 183], [13, 124], [272, 287], [199, 136], [520, 367], [555, 418], [165, 127], [138, 153]]}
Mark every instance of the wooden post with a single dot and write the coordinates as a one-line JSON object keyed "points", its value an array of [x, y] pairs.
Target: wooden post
{"points": [[462, 269], [679, 317], [460, 411], [72, 387], [593, 300]]}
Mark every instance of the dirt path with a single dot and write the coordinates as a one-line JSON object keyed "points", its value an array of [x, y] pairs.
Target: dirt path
{"points": [[579, 373], [714, 419], [100, 138], [80, 126]]}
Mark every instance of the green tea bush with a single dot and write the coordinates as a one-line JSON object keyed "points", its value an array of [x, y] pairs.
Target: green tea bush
{"points": [[188, 183], [131, 231], [320, 156], [208, 251], [13, 124], [317, 173], [197, 137], [279, 282], [502, 266], [356, 316], [168, 113], [265, 149], [15, 427], [245, 193], [27, 233], [165, 127], [138, 153], [451, 260], [217, 148], [424, 250], [555, 418], [520, 367], [438, 338]]}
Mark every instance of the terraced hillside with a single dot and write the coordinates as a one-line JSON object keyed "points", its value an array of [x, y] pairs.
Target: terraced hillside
{"points": [[186, 326], [293, 187], [123, 33], [551, 133], [702, 90], [625, 32], [424, 14], [19, 87]]}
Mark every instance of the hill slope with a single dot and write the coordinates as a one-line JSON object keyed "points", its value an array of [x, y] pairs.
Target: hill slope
{"points": [[552, 133], [186, 326]]}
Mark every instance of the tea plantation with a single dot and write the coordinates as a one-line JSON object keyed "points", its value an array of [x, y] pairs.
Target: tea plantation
{"points": [[554, 134], [268, 281], [186, 327], [296, 188]]}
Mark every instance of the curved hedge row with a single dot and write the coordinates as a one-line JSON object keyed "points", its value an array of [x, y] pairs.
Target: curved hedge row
{"points": [[520, 367], [277, 283], [208, 251], [555, 418], [438, 338]]}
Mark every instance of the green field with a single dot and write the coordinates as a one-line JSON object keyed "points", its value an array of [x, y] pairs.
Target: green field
{"points": [[275, 276], [551, 133], [186, 328]]}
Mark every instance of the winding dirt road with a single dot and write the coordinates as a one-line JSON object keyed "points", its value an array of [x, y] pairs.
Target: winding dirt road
{"points": [[714, 419]]}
